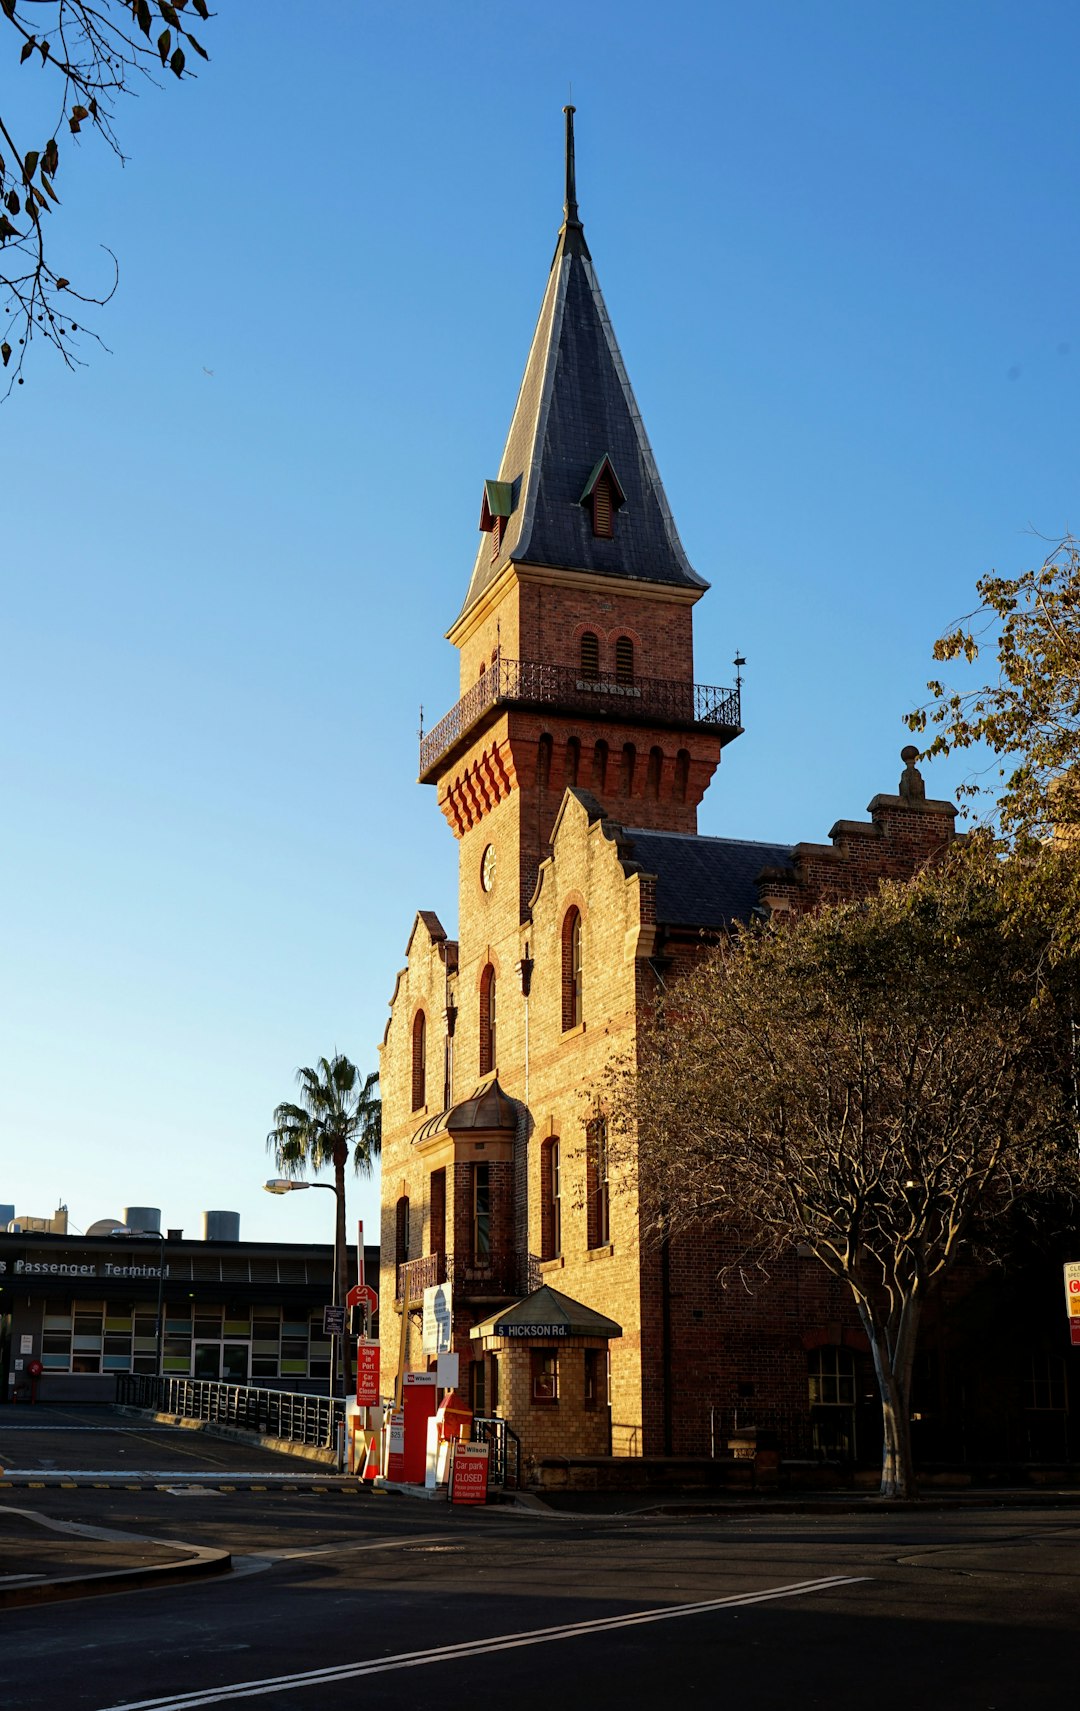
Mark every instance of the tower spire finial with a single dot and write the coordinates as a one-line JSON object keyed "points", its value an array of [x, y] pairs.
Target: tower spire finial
{"points": [[570, 207]]}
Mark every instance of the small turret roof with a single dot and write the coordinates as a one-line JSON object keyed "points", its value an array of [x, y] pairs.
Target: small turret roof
{"points": [[575, 407]]}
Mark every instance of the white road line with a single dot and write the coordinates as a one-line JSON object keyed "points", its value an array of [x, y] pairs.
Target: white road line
{"points": [[380, 1545], [473, 1648]]}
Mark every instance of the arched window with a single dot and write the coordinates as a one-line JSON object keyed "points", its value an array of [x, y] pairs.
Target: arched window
{"points": [[543, 761], [626, 773], [401, 1231], [624, 660], [571, 970], [419, 1060], [573, 759], [487, 1020], [682, 774], [590, 655], [599, 765], [598, 1190], [652, 776], [550, 1200]]}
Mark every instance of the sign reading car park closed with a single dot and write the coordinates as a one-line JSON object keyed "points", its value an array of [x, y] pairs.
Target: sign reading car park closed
{"points": [[1072, 1299]]}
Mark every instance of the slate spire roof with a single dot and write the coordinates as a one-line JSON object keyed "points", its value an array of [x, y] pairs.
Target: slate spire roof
{"points": [[576, 407]]}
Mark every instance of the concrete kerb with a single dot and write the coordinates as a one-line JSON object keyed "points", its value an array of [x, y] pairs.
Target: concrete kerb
{"points": [[199, 1561], [234, 1434]]}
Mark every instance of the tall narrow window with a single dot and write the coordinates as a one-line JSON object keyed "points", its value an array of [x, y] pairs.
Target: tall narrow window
{"points": [[600, 765], [624, 660], [543, 761], [591, 1384], [401, 1233], [573, 759], [419, 1060], [571, 970], [487, 1021], [598, 1185], [544, 1372], [550, 1200], [590, 655], [682, 774], [626, 771], [652, 776], [481, 1209], [437, 1213]]}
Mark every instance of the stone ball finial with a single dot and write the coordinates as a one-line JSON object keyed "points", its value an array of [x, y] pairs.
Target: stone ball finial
{"points": [[912, 787]]}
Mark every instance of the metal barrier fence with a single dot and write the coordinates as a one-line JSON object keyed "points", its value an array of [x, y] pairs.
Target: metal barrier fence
{"points": [[282, 1414]]}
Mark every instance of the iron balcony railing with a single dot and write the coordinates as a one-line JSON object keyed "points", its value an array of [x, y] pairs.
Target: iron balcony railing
{"points": [[529, 683], [272, 1413], [471, 1276]]}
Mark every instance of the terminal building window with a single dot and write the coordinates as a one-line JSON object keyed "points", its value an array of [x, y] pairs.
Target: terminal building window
{"points": [[222, 1341]]}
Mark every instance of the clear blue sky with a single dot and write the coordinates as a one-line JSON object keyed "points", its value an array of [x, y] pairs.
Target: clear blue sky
{"points": [[839, 246]]}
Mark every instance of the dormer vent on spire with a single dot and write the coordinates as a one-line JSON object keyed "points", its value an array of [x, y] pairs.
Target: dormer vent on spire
{"points": [[497, 505], [603, 496]]}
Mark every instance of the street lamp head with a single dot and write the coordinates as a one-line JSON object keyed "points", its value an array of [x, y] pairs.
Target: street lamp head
{"points": [[283, 1185]]}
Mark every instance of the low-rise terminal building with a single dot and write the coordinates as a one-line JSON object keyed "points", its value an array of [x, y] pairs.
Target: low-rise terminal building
{"points": [[85, 1308]]}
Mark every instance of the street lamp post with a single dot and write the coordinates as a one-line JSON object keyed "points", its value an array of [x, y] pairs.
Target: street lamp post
{"points": [[287, 1185]]}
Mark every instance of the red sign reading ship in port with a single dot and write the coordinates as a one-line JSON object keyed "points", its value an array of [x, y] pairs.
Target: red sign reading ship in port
{"points": [[367, 1374], [470, 1474]]}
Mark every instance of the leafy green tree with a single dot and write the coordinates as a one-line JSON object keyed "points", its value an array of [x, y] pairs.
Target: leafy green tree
{"points": [[1029, 715], [880, 1084], [337, 1115], [83, 55]]}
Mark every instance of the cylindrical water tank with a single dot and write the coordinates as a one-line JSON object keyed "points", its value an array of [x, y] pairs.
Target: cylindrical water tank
{"points": [[143, 1217], [221, 1226]]}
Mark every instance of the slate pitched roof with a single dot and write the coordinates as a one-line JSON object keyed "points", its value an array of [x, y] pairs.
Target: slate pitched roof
{"points": [[576, 405], [702, 882]]}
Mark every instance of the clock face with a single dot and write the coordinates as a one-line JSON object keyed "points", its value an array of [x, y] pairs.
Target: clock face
{"points": [[487, 868]]}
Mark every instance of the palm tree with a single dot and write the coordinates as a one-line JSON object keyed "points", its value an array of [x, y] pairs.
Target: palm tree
{"points": [[338, 1112]]}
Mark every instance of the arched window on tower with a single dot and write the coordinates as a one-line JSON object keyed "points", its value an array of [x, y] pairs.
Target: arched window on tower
{"points": [[573, 759], [652, 776], [624, 660], [590, 656], [571, 970], [600, 765], [419, 1060], [543, 761], [626, 771], [487, 1020], [682, 774]]}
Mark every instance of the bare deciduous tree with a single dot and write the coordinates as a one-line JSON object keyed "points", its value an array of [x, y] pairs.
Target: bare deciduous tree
{"points": [[90, 53], [879, 1084]]}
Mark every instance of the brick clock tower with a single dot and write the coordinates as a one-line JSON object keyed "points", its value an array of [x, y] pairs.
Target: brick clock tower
{"points": [[575, 638]]}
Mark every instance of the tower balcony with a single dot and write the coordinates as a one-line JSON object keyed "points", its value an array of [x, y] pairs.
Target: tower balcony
{"points": [[536, 686], [495, 1276]]}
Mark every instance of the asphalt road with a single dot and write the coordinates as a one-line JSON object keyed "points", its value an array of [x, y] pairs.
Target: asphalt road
{"points": [[388, 1602], [55, 1442], [339, 1597]]}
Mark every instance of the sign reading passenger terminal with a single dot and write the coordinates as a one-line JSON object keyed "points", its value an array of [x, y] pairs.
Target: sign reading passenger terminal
{"points": [[75, 1268]]}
